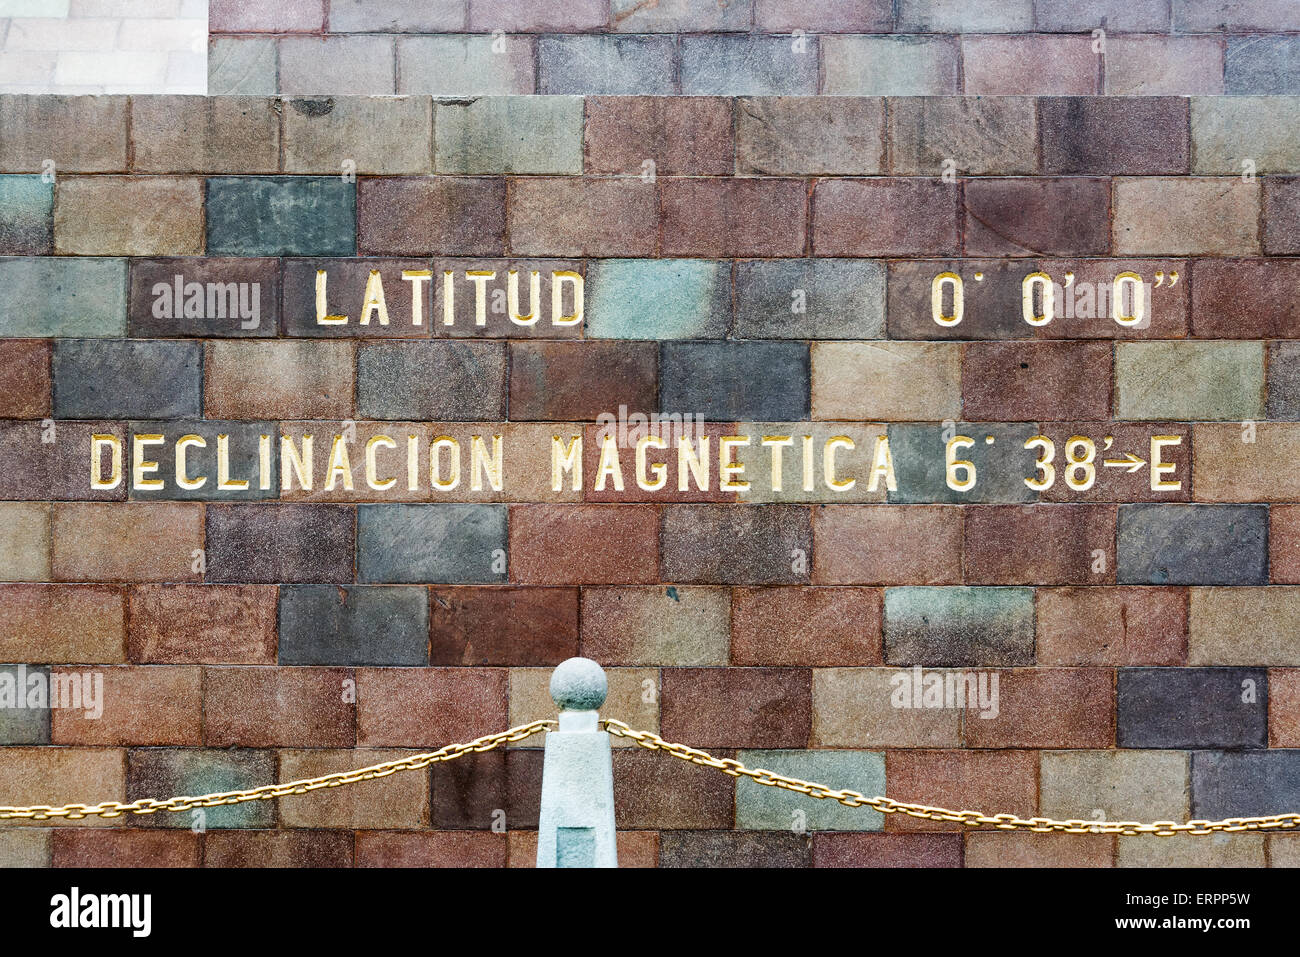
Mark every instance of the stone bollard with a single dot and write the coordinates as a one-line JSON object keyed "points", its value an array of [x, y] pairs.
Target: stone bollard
{"points": [[576, 827]]}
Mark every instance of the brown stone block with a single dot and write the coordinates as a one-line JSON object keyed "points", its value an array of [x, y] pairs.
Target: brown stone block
{"points": [[798, 625]]}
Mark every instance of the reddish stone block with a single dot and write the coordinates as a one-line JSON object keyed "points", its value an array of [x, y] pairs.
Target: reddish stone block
{"points": [[278, 707], [1035, 381], [885, 217], [887, 545], [280, 543], [988, 781], [1115, 135], [1284, 707], [33, 468], [575, 216], [850, 849], [1029, 216], [652, 793], [1282, 215], [126, 541], [429, 707], [58, 623], [203, 624], [1115, 627], [737, 707], [681, 135], [564, 381], [1284, 544], [1040, 544], [292, 16], [721, 218], [1048, 708], [502, 625], [584, 544], [541, 16], [1245, 298], [237, 848], [137, 706], [24, 378], [431, 215], [824, 16], [1044, 65], [806, 626], [431, 849], [126, 847], [1084, 308], [1116, 483]]}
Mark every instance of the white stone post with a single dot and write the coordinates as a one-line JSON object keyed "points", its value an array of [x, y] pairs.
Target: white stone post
{"points": [[576, 828]]}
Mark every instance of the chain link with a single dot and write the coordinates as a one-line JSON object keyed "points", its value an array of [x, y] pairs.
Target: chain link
{"points": [[1005, 822], [414, 762]]}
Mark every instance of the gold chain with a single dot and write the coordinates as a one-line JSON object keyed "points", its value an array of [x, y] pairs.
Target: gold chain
{"points": [[1007, 822], [414, 762], [646, 739]]}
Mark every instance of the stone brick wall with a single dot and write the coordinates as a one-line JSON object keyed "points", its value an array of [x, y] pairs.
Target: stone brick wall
{"points": [[755, 47], [765, 263]]}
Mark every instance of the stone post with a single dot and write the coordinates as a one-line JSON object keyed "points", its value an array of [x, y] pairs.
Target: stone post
{"points": [[576, 828]]}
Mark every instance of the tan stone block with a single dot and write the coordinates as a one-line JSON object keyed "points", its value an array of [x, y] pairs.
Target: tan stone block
{"points": [[105, 542], [886, 381], [851, 464], [398, 801], [24, 541], [1217, 850], [1122, 785], [62, 623], [1226, 468], [656, 625], [1186, 216], [389, 135], [200, 134], [1244, 626], [129, 216], [854, 708], [56, 776]]}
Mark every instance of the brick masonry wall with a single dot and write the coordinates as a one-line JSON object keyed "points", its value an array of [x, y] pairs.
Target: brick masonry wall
{"points": [[1143, 639], [755, 47]]}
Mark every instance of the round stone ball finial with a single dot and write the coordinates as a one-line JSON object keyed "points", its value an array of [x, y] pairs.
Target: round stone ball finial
{"points": [[578, 685]]}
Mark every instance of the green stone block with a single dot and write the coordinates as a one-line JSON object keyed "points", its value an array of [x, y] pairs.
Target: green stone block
{"points": [[281, 216], [509, 134], [959, 626], [1189, 380], [658, 299], [26, 216], [63, 297], [761, 807]]}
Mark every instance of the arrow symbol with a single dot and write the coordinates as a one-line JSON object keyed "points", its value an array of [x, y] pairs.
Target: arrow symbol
{"points": [[1129, 463]]}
